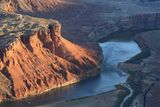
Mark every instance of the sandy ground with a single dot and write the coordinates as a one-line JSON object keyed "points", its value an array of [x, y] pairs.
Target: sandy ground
{"points": [[102, 100]]}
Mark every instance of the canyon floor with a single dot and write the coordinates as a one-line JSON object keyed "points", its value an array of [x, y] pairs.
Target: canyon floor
{"points": [[102, 100]]}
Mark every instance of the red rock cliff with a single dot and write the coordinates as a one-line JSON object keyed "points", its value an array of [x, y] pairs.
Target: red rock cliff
{"points": [[31, 5], [32, 63]]}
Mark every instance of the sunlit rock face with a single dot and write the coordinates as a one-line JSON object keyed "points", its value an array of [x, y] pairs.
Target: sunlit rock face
{"points": [[31, 5], [35, 58]]}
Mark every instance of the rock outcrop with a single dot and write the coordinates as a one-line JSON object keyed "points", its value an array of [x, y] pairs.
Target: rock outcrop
{"points": [[30, 6], [136, 23], [35, 58]]}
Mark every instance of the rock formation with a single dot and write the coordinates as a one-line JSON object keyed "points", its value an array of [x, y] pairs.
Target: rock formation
{"points": [[27, 6], [35, 58], [134, 23]]}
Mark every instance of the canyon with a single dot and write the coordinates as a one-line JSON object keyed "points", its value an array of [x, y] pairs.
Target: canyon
{"points": [[36, 56]]}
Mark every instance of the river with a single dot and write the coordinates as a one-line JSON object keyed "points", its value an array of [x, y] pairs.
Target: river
{"points": [[114, 52]]}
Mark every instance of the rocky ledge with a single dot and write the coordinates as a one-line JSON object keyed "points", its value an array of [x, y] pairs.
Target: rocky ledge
{"points": [[133, 24], [35, 58]]}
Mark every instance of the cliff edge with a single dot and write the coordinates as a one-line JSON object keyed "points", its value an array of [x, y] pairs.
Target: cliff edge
{"points": [[35, 58]]}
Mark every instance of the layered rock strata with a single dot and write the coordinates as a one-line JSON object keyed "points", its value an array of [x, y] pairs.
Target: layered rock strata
{"points": [[35, 58], [30, 6], [136, 23]]}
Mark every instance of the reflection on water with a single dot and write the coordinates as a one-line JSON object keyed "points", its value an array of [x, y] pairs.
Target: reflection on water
{"points": [[114, 52]]}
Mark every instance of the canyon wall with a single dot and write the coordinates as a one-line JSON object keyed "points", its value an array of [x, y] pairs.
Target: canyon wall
{"points": [[30, 6], [37, 58], [134, 23]]}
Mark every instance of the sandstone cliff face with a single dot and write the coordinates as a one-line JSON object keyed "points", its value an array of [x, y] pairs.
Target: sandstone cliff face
{"points": [[30, 6], [136, 23], [36, 59]]}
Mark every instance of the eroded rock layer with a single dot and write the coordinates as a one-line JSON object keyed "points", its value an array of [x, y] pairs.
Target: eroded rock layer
{"points": [[35, 58], [31, 5], [136, 23]]}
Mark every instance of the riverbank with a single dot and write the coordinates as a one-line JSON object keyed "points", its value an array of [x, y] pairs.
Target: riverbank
{"points": [[133, 67], [101, 100], [144, 71]]}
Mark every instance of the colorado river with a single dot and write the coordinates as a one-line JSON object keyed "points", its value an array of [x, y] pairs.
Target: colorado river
{"points": [[114, 52]]}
